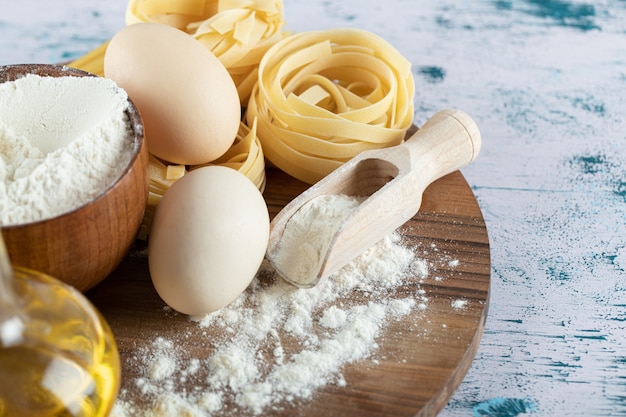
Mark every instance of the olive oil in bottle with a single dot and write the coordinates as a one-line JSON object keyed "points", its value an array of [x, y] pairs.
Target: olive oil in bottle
{"points": [[58, 357]]}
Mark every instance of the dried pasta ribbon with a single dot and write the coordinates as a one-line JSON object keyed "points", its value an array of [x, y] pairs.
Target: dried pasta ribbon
{"points": [[245, 156], [92, 61], [176, 13], [159, 182], [240, 35], [322, 97], [237, 32]]}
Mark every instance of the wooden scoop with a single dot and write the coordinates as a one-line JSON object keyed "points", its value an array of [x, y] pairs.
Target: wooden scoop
{"points": [[392, 180]]}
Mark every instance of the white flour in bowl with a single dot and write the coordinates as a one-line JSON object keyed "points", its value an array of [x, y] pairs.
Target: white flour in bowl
{"points": [[63, 142], [277, 343]]}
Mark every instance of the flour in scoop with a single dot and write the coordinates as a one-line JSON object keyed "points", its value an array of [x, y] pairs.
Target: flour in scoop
{"points": [[63, 142], [308, 234]]}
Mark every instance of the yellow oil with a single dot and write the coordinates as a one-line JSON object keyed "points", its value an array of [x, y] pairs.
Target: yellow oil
{"points": [[66, 363]]}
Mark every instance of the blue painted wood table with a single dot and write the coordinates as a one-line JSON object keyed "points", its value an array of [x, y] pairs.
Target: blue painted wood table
{"points": [[545, 81]]}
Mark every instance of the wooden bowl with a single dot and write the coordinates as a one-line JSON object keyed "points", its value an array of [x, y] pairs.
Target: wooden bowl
{"points": [[83, 246]]}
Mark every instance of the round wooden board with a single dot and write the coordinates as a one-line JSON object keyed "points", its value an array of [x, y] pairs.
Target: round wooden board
{"points": [[424, 356]]}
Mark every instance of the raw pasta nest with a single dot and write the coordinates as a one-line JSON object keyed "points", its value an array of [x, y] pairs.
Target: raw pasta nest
{"points": [[322, 97], [237, 32], [245, 156]]}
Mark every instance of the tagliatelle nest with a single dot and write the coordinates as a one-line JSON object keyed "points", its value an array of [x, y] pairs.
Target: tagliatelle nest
{"points": [[322, 97], [178, 13], [245, 156]]}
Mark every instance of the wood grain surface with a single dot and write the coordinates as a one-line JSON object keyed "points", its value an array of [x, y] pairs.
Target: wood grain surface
{"points": [[426, 354]]}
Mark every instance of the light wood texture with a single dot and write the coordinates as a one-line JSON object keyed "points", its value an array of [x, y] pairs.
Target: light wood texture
{"points": [[83, 246], [426, 354], [394, 179]]}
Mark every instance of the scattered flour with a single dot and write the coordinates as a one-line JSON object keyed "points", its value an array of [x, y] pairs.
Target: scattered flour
{"points": [[333, 318], [63, 141], [279, 343]]}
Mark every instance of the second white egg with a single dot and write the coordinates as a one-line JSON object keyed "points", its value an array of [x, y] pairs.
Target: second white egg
{"points": [[208, 239]]}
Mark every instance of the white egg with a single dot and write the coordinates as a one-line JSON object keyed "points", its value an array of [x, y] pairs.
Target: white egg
{"points": [[208, 238]]}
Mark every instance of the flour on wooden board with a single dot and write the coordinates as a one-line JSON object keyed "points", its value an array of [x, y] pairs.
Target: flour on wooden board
{"points": [[250, 369]]}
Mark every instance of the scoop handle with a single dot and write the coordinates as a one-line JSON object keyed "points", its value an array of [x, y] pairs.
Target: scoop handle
{"points": [[448, 141]]}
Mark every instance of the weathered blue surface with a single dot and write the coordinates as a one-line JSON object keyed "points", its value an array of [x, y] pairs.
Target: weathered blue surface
{"points": [[503, 407], [546, 82]]}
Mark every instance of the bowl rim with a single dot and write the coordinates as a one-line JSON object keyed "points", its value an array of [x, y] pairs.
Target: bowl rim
{"points": [[134, 117]]}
